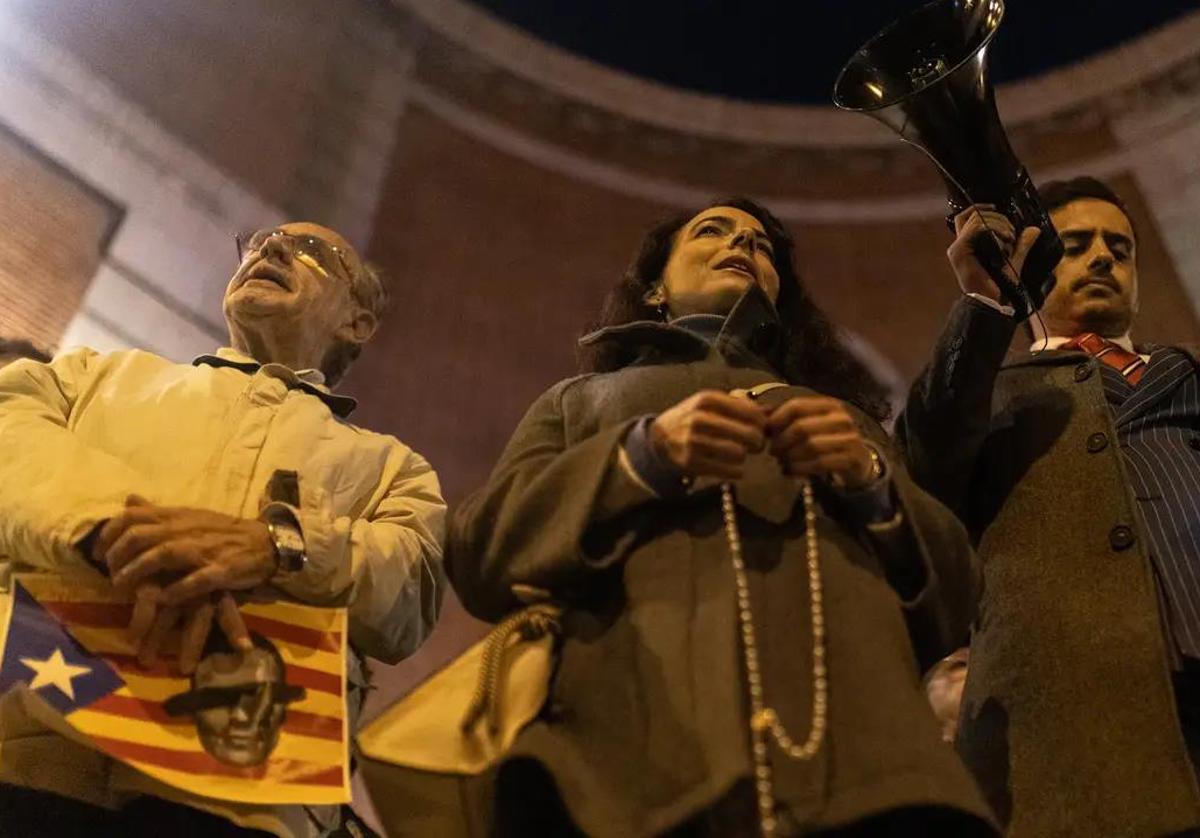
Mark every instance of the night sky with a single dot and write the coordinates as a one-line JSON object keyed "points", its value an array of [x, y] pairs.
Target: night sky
{"points": [[791, 50]]}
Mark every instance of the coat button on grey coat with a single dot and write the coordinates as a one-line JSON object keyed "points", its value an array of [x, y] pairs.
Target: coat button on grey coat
{"points": [[1084, 371], [1121, 537]]}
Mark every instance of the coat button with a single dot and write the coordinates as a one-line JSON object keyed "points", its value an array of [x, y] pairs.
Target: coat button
{"points": [[1121, 537], [1084, 371], [1097, 442], [763, 338]]}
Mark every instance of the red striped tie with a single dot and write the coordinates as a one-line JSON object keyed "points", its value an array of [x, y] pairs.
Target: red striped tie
{"points": [[1120, 359]]}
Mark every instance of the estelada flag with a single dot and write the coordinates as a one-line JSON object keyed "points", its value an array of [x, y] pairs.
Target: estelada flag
{"points": [[267, 727]]}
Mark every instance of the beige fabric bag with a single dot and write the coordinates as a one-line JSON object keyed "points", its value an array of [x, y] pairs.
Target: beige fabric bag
{"points": [[425, 760]]}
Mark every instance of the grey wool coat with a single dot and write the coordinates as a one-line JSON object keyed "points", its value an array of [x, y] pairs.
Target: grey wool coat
{"points": [[647, 722], [1068, 718]]}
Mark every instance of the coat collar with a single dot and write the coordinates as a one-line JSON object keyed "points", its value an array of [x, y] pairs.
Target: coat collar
{"points": [[1054, 357], [1046, 358], [752, 332], [1142, 398], [310, 381]]}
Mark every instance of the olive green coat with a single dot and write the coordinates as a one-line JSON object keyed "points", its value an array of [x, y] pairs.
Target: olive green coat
{"points": [[647, 723], [1068, 719]]}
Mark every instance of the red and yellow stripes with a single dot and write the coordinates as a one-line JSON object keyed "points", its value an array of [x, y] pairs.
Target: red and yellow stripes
{"points": [[310, 763]]}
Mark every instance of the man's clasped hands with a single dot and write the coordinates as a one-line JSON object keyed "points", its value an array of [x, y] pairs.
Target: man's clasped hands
{"points": [[181, 566]]}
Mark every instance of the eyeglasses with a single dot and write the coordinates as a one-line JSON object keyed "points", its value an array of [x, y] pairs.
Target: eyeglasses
{"points": [[328, 258]]}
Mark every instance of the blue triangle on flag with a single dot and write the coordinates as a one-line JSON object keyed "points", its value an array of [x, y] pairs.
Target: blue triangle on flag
{"points": [[43, 656]]}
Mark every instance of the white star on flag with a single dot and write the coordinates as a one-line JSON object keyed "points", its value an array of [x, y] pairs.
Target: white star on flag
{"points": [[55, 671]]}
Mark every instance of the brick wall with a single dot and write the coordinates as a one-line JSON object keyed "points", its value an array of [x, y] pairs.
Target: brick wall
{"points": [[55, 230]]}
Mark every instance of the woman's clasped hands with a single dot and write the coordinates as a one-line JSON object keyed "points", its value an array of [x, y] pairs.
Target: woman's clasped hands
{"points": [[712, 433]]}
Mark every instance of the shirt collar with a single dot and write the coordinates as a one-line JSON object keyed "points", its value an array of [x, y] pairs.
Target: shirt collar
{"points": [[1055, 341], [311, 381]]}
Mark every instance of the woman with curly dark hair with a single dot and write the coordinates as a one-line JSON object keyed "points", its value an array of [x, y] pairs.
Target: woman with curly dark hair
{"points": [[752, 584], [813, 355]]}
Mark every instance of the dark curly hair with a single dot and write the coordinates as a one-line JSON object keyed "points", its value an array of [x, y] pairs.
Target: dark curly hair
{"points": [[814, 357]]}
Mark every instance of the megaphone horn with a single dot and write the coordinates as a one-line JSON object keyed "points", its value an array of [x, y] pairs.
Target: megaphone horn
{"points": [[925, 77]]}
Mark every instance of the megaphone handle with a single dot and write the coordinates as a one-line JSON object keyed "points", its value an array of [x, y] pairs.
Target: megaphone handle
{"points": [[989, 254]]}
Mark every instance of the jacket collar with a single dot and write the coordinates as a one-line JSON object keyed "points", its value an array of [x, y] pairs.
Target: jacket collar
{"points": [[752, 332], [1046, 358], [310, 381], [1052, 356], [1163, 375]]}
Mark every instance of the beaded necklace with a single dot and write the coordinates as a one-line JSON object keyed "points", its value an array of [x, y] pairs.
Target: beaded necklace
{"points": [[763, 718]]}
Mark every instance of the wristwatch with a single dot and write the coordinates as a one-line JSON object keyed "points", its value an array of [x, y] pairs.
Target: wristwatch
{"points": [[876, 463], [878, 469], [286, 536]]}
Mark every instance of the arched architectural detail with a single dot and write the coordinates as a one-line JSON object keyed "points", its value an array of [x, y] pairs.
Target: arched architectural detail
{"points": [[815, 164]]}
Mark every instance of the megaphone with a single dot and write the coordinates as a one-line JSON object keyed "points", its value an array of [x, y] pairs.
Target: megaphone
{"points": [[925, 77]]}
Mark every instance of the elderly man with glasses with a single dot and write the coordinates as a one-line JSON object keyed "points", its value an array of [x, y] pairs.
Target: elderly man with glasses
{"points": [[185, 484]]}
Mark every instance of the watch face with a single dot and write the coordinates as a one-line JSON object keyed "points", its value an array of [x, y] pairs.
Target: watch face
{"points": [[289, 545], [288, 539]]}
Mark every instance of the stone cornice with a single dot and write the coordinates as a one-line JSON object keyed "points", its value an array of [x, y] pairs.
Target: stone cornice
{"points": [[1059, 123], [571, 77]]}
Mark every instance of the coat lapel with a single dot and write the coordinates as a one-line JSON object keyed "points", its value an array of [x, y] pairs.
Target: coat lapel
{"points": [[1046, 358], [1166, 372]]}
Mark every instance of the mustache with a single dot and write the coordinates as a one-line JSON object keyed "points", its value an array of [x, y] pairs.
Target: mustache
{"points": [[1099, 279]]}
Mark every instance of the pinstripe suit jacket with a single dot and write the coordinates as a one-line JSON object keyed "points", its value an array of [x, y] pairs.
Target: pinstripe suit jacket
{"points": [[1068, 719], [1158, 427]]}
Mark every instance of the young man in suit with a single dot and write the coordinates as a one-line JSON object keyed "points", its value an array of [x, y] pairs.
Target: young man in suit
{"points": [[1076, 465]]}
